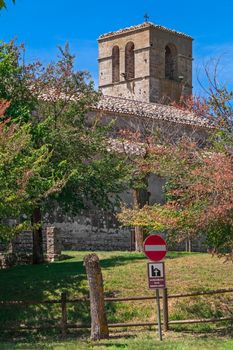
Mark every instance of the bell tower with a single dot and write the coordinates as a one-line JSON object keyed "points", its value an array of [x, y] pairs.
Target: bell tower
{"points": [[146, 62]]}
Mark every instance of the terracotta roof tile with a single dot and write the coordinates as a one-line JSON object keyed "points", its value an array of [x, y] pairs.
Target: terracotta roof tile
{"points": [[140, 109]]}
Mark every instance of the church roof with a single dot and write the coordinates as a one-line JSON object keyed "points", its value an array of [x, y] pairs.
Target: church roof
{"points": [[128, 107], [123, 106], [142, 26]]}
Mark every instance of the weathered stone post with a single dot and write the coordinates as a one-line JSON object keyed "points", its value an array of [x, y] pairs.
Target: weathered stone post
{"points": [[53, 246], [99, 325]]}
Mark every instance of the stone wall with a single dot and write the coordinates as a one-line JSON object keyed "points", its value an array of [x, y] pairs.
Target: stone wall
{"points": [[21, 247], [95, 229], [19, 250], [195, 244], [99, 231], [91, 229]]}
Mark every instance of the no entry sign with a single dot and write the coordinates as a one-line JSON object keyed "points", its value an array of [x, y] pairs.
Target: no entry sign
{"points": [[155, 247]]}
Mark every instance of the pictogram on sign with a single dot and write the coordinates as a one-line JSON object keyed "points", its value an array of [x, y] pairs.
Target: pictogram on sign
{"points": [[156, 275]]}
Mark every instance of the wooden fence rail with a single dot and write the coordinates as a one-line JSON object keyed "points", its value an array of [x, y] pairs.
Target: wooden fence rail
{"points": [[64, 325], [108, 299]]}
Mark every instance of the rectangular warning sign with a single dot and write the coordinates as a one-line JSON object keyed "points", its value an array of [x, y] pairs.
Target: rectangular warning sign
{"points": [[156, 275]]}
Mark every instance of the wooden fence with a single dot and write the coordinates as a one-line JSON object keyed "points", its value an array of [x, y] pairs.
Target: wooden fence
{"points": [[64, 325]]}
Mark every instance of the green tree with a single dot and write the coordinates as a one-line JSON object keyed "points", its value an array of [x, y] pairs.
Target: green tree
{"points": [[20, 166], [15, 79], [56, 100]]}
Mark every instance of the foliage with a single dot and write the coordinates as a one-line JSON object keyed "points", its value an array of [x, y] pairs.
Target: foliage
{"points": [[78, 139], [15, 80], [49, 108], [25, 174], [199, 180]]}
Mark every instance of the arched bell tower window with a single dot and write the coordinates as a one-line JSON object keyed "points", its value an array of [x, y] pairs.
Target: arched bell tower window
{"points": [[170, 62], [129, 61], [115, 64]]}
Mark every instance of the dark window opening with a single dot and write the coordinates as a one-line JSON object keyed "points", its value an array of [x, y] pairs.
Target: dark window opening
{"points": [[129, 61], [170, 62], [115, 64]]}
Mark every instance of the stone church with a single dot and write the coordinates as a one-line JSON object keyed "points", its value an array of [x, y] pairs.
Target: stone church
{"points": [[142, 69]]}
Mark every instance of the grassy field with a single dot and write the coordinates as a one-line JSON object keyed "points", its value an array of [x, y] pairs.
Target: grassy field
{"points": [[124, 275], [145, 341]]}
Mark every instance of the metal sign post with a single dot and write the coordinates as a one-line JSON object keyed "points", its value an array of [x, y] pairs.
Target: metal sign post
{"points": [[159, 315], [156, 280], [155, 248]]}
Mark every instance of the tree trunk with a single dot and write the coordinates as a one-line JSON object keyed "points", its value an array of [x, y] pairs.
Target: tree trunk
{"points": [[190, 244], [38, 256], [99, 325], [140, 198], [139, 239]]}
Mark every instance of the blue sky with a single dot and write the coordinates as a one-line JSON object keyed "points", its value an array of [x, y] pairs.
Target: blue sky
{"points": [[42, 25]]}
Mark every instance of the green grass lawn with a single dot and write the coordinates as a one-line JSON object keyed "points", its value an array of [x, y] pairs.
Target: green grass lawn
{"points": [[141, 341], [124, 275]]}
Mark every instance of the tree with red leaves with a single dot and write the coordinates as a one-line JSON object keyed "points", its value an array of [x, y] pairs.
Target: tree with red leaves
{"points": [[199, 180]]}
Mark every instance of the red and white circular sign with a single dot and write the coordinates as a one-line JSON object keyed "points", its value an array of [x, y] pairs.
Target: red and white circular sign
{"points": [[155, 247]]}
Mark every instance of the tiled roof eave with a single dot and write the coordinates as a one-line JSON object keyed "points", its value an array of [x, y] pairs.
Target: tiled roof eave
{"points": [[175, 120], [142, 26]]}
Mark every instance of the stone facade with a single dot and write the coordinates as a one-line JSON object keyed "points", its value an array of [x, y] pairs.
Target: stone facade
{"points": [[155, 47]]}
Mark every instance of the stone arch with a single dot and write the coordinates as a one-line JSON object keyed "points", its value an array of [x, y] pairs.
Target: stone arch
{"points": [[170, 62], [129, 60], [115, 64]]}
